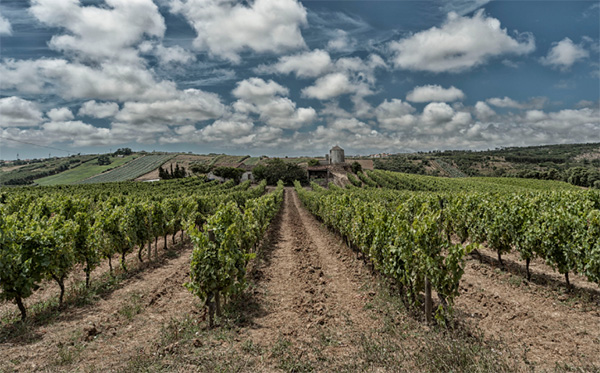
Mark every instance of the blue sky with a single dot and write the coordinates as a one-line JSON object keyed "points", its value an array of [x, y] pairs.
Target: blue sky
{"points": [[288, 77]]}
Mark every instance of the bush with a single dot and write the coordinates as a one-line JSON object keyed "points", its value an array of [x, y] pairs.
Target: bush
{"points": [[356, 167]]}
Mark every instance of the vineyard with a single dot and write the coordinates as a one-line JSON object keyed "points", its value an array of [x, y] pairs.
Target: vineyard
{"points": [[130, 170], [391, 267]]}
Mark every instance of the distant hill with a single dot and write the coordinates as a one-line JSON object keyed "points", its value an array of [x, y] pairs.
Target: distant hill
{"points": [[578, 164]]}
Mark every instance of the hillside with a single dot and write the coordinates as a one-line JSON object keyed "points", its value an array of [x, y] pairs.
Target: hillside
{"points": [[578, 164]]}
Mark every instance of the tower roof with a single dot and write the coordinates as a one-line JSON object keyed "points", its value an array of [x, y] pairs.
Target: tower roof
{"points": [[336, 148]]}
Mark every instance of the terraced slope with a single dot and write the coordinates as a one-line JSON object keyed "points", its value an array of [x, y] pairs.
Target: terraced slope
{"points": [[131, 170], [84, 171]]}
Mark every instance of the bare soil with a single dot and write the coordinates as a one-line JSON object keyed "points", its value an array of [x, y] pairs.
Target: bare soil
{"points": [[540, 319], [311, 305], [183, 160]]}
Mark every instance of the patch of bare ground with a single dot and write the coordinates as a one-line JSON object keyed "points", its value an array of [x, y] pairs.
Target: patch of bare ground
{"points": [[104, 333], [550, 327], [183, 160]]}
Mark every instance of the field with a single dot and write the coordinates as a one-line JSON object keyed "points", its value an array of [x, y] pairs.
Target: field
{"points": [[84, 171], [309, 279], [131, 170]]}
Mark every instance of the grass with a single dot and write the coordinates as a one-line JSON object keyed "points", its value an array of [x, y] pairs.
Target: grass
{"points": [[83, 171], [132, 308]]}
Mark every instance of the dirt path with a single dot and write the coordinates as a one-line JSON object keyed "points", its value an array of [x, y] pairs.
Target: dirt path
{"points": [[310, 290]]}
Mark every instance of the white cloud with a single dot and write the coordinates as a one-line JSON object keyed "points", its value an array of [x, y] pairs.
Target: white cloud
{"points": [[60, 114], [167, 55], [305, 65], [352, 125], [190, 106], [256, 90], [564, 54], [104, 32], [341, 41], [108, 81], [333, 85], [395, 114], [429, 93], [507, 102], [5, 27], [483, 111], [459, 44], [98, 110], [257, 96], [224, 130], [17, 112], [225, 28]]}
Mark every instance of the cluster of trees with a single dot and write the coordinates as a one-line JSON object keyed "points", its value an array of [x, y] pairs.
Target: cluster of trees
{"points": [[276, 169], [584, 176], [123, 151], [177, 173], [229, 173]]}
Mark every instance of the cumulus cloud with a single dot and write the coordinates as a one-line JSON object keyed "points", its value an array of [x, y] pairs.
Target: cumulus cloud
{"points": [[257, 91], [225, 28], [459, 44], [17, 112], [98, 110], [395, 114], [108, 81], [190, 106], [329, 86], [256, 96], [564, 54], [304, 65], [5, 26], [98, 33], [60, 114], [507, 102], [429, 93], [483, 111], [167, 55]]}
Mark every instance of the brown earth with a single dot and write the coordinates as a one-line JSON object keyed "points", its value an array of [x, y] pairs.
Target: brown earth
{"points": [[184, 160], [311, 305], [539, 319]]}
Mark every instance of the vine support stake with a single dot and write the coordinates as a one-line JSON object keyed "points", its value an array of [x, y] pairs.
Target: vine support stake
{"points": [[428, 301]]}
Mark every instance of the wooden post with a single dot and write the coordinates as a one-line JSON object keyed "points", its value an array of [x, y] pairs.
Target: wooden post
{"points": [[218, 303], [211, 312], [428, 301]]}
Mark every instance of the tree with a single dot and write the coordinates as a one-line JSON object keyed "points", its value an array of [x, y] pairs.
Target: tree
{"points": [[104, 160], [276, 169], [356, 167], [200, 168], [313, 162], [229, 173]]}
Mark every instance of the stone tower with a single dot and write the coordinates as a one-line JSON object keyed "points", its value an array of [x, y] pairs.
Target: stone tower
{"points": [[336, 155]]}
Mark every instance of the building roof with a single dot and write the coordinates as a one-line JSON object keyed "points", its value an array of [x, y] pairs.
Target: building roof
{"points": [[336, 148]]}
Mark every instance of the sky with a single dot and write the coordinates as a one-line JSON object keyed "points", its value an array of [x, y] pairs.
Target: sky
{"points": [[290, 77]]}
